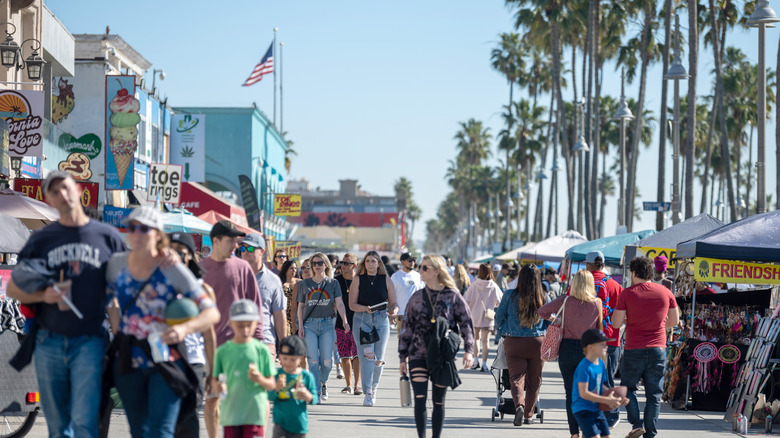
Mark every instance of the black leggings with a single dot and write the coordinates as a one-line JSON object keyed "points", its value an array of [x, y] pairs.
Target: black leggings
{"points": [[418, 374]]}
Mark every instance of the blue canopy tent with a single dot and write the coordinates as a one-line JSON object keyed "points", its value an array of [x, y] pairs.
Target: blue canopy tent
{"points": [[611, 246], [755, 238]]}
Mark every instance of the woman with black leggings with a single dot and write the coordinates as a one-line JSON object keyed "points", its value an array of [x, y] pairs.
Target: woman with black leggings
{"points": [[441, 295]]}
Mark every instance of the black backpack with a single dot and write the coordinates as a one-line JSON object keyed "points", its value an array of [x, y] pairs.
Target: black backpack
{"points": [[443, 344]]}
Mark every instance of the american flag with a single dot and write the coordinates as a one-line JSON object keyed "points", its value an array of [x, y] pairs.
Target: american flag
{"points": [[265, 66]]}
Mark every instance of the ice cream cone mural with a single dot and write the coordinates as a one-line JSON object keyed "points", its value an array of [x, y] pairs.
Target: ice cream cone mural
{"points": [[123, 119]]}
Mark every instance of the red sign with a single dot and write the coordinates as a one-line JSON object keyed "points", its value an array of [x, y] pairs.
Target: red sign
{"points": [[32, 188], [309, 219], [200, 200]]}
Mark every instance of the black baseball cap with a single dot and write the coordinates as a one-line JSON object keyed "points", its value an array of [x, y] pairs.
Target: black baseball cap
{"points": [[593, 336], [226, 228], [407, 256], [293, 346], [183, 238]]}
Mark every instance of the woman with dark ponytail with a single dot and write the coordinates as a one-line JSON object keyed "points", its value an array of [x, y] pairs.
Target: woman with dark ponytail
{"points": [[518, 321]]}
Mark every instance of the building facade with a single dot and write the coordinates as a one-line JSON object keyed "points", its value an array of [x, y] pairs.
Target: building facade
{"points": [[242, 141]]}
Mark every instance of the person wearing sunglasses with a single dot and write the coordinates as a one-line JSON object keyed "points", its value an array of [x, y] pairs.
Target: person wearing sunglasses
{"points": [[142, 292], [319, 300], [306, 269], [79, 248], [289, 278], [406, 281], [280, 256], [442, 296], [372, 287]]}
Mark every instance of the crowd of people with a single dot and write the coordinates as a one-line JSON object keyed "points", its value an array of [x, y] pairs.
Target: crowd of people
{"points": [[233, 333]]}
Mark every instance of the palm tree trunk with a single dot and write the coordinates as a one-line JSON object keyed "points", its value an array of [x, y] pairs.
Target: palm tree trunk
{"points": [[708, 154], [590, 226], [693, 56], [748, 180], [629, 212], [603, 194], [539, 218], [560, 125], [554, 174], [596, 131], [528, 202], [661, 189], [724, 139]]}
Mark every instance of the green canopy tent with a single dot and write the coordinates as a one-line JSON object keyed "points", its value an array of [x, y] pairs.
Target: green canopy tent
{"points": [[611, 247]]}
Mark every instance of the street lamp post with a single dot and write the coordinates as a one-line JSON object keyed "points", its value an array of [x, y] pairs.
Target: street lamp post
{"points": [[676, 72], [519, 198], [622, 114], [497, 214], [762, 15]]}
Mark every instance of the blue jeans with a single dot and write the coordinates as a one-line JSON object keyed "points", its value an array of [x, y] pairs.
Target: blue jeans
{"points": [[613, 355], [647, 364], [69, 374], [150, 404], [371, 356], [570, 355], [320, 337]]}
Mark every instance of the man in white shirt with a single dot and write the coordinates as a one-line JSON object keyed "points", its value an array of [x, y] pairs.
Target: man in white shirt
{"points": [[406, 281]]}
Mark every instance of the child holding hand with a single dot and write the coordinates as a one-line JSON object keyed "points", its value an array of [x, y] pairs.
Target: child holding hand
{"points": [[294, 388], [248, 369], [589, 379]]}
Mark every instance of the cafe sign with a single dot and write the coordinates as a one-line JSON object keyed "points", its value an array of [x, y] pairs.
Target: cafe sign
{"points": [[652, 253], [287, 205], [730, 271]]}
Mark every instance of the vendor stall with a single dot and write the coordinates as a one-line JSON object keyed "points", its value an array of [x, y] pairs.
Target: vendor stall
{"points": [[552, 249], [611, 247], [743, 252]]}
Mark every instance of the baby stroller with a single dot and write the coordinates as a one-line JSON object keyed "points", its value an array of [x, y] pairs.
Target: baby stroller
{"points": [[500, 372]]}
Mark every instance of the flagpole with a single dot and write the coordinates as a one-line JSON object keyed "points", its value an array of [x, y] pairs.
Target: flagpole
{"points": [[281, 92], [275, 30]]}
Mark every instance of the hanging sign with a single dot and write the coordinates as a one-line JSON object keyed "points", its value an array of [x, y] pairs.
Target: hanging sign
{"points": [[164, 183], [188, 145], [287, 205], [23, 110], [652, 253], [32, 188], [293, 249], [122, 121], [730, 271]]}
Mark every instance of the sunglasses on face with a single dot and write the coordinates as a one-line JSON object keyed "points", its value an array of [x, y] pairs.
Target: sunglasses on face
{"points": [[305, 268], [320, 263], [247, 249], [281, 256], [426, 267], [347, 263], [138, 227]]}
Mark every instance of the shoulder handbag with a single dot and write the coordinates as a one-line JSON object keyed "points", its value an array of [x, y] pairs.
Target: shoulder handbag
{"points": [[551, 344], [490, 314]]}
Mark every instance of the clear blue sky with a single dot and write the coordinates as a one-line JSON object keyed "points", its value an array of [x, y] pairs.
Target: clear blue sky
{"points": [[372, 90]]}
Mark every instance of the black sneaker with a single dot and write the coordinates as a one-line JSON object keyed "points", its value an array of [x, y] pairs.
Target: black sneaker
{"points": [[324, 393], [519, 416]]}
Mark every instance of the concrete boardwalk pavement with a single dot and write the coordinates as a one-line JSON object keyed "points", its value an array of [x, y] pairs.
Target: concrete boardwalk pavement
{"points": [[468, 411]]}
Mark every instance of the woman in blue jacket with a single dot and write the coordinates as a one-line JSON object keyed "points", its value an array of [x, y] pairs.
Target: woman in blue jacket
{"points": [[519, 323]]}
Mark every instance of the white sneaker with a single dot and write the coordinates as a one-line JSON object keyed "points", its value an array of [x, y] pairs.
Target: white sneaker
{"points": [[339, 372], [368, 400], [373, 396]]}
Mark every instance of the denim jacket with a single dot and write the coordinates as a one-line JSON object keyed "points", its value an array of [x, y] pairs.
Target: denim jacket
{"points": [[508, 323]]}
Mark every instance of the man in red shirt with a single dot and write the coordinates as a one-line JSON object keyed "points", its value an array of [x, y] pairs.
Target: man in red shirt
{"points": [[607, 290], [648, 310]]}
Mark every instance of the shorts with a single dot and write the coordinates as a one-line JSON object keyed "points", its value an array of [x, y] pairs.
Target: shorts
{"points": [[592, 423], [279, 432], [345, 343], [245, 431]]}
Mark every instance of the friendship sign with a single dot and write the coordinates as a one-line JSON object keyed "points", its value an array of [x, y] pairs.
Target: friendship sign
{"points": [[729, 271], [287, 205]]}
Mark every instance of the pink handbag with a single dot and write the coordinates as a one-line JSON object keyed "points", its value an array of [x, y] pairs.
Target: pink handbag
{"points": [[551, 344]]}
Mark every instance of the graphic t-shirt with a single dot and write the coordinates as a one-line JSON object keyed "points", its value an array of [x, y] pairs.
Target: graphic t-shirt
{"points": [[147, 314], [246, 400], [290, 413], [595, 375], [80, 253], [646, 305], [405, 283], [318, 298]]}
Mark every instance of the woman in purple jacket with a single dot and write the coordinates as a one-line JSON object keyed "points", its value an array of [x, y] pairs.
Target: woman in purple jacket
{"points": [[441, 295]]}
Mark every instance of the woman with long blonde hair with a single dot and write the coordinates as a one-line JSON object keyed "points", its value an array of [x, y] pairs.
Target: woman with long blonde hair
{"points": [[582, 312], [518, 321], [442, 297], [372, 298], [462, 279]]}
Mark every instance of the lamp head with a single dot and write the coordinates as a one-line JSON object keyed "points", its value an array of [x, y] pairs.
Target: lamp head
{"points": [[676, 70], [623, 112], [762, 14], [581, 145]]}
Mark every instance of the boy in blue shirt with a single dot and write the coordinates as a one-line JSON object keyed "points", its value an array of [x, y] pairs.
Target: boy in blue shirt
{"points": [[295, 387], [589, 379]]}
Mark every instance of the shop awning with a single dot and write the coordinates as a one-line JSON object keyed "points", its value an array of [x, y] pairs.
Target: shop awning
{"points": [[213, 217], [138, 197], [200, 200], [755, 238], [34, 214]]}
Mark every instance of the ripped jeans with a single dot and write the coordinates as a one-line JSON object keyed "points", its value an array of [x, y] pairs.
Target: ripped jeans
{"points": [[320, 337], [371, 356]]}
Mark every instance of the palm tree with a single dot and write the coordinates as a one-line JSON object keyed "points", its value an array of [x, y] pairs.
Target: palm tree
{"points": [[529, 126], [473, 141], [289, 152], [661, 190], [403, 197], [507, 59]]}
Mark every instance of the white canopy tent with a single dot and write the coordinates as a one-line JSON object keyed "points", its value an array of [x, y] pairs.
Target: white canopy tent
{"points": [[552, 249]]}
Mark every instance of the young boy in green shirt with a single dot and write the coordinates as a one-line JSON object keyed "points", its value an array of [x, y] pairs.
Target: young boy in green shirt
{"points": [[294, 388], [248, 369]]}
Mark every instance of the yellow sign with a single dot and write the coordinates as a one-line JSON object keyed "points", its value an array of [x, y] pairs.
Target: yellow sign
{"points": [[531, 262], [729, 271], [287, 205], [652, 253], [270, 243], [293, 249]]}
